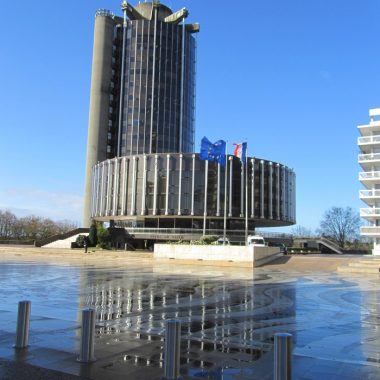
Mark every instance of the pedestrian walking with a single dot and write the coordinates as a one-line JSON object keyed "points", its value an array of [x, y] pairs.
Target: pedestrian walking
{"points": [[85, 244]]}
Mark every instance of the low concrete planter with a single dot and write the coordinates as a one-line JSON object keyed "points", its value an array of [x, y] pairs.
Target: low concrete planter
{"points": [[217, 254]]}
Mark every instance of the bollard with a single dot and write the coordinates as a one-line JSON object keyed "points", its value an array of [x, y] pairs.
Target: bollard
{"points": [[172, 349], [86, 354], [282, 356], [22, 330]]}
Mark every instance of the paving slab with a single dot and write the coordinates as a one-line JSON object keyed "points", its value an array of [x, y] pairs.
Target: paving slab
{"points": [[228, 316]]}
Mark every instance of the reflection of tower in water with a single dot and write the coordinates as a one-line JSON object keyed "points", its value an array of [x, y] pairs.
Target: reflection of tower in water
{"points": [[221, 316]]}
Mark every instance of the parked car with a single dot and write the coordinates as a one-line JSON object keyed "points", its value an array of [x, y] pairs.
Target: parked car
{"points": [[255, 240], [221, 240]]}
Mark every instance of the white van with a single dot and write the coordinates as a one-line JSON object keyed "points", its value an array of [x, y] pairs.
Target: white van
{"points": [[255, 240]]}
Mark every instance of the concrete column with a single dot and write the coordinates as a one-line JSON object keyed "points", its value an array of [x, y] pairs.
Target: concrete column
{"points": [[192, 185], [94, 196], [180, 184], [99, 103], [287, 184], [115, 203], [102, 188], [155, 184], [294, 198], [124, 187], [270, 184], [283, 192], [278, 191], [167, 184], [109, 187], [143, 208], [134, 178], [253, 188], [93, 191], [262, 189]]}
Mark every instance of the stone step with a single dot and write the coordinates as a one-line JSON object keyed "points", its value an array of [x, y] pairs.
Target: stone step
{"points": [[350, 269]]}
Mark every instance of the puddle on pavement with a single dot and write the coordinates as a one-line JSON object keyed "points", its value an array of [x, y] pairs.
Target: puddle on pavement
{"points": [[219, 320], [226, 323]]}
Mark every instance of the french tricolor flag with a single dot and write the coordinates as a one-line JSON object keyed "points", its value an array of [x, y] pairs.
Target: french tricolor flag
{"points": [[241, 151]]}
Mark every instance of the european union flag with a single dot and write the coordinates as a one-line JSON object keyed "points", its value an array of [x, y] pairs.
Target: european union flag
{"points": [[213, 152]]}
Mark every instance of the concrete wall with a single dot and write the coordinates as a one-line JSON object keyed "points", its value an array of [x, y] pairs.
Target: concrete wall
{"points": [[217, 254], [63, 243], [99, 104]]}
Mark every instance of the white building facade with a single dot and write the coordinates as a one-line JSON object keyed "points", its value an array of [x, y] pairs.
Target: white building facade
{"points": [[369, 159]]}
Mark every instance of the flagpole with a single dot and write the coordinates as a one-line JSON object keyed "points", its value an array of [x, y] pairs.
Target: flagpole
{"points": [[225, 196], [205, 199]]}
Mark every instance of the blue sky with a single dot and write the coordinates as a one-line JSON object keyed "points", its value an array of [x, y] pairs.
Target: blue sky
{"points": [[294, 78]]}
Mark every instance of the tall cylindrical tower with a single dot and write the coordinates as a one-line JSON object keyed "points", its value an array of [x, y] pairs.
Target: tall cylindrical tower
{"points": [[101, 89], [143, 86]]}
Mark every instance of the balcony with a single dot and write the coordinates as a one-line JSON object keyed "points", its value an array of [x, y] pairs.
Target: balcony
{"points": [[370, 213], [368, 142], [369, 196], [369, 177], [370, 231], [368, 129], [366, 160]]}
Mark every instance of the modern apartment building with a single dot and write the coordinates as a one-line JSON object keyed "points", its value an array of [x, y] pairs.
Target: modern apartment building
{"points": [[142, 172], [369, 159]]}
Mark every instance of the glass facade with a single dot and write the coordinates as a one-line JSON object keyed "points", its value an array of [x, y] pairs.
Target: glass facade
{"points": [[150, 176], [173, 186], [152, 102]]}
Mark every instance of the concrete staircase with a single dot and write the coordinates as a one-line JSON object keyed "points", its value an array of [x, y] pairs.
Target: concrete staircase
{"points": [[62, 240], [368, 266], [317, 241]]}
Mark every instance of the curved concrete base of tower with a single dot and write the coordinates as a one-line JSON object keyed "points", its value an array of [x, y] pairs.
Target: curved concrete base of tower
{"points": [[165, 193]]}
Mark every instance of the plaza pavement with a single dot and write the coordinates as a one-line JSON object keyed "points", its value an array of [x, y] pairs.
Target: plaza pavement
{"points": [[229, 316]]}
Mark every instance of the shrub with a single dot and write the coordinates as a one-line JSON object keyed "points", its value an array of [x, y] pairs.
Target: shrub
{"points": [[301, 250], [80, 241], [93, 235], [103, 237], [208, 239]]}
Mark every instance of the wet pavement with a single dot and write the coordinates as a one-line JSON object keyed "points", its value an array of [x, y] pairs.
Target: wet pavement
{"points": [[228, 320]]}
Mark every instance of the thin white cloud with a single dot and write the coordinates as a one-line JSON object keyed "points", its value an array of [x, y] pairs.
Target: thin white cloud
{"points": [[54, 205]]}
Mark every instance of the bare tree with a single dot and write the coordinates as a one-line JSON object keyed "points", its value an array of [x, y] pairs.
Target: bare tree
{"points": [[7, 224], [340, 224], [65, 226], [31, 226], [301, 231]]}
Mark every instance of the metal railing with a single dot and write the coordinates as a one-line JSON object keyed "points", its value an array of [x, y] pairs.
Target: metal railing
{"points": [[369, 193], [368, 157], [370, 230], [370, 211], [104, 12], [199, 231], [369, 175], [368, 140]]}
